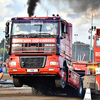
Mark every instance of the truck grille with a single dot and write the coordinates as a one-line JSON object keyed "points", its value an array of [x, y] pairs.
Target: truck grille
{"points": [[32, 61], [34, 48]]}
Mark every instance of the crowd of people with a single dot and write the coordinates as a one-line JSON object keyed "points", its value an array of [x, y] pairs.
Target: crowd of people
{"points": [[4, 64]]}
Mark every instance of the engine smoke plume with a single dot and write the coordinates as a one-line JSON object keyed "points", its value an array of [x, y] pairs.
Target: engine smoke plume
{"points": [[88, 7], [82, 5], [31, 6]]}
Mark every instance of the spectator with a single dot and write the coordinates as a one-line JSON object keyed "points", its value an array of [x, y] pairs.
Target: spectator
{"points": [[1, 73], [7, 64], [4, 64], [0, 65]]}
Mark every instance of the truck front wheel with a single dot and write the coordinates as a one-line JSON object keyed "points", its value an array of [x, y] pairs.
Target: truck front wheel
{"points": [[80, 89], [17, 82], [60, 82]]}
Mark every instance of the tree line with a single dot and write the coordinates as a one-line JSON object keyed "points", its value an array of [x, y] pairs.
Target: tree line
{"points": [[4, 51]]}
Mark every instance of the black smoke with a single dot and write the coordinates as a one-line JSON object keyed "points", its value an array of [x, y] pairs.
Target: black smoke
{"points": [[76, 5], [31, 6], [82, 5]]}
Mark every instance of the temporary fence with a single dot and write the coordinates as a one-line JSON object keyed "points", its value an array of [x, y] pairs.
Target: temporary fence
{"points": [[5, 69]]}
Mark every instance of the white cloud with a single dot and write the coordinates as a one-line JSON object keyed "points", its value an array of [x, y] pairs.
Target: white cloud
{"points": [[2, 27], [4, 10], [18, 8], [91, 12], [8, 11], [2, 24], [23, 14], [22, 1]]}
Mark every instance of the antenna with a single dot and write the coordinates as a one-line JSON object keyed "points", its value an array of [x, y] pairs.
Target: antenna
{"points": [[91, 39]]}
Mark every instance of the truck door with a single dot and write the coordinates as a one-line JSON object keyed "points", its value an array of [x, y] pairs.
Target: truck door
{"points": [[62, 38], [68, 42]]}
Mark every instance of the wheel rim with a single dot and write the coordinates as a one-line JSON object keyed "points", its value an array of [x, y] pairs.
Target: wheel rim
{"points": [[64, 79], [80, 89]]}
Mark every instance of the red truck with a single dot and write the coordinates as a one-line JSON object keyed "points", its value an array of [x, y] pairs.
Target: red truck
{"points": [[91, 70], [41, 51]]}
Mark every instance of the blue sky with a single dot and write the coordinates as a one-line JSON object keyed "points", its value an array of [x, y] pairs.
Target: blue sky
{"points": [[81, 22]]}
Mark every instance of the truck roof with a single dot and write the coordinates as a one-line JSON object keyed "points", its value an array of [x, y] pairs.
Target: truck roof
{"points": [[30, 18], [41, 18]]}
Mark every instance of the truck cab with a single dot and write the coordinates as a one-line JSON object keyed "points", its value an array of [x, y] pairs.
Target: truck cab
{"points": [[97, 46], [41, 49]]}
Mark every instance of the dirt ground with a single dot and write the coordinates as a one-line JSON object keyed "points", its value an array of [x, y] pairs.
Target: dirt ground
{"points": [[25, 94], [7, 76], [9, 92]]}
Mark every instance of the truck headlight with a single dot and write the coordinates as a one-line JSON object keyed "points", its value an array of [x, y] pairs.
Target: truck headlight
{"points": [[12, 63], [53, 63]]}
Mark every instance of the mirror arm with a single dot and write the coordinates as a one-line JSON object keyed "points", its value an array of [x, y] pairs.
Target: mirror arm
{"points": [[61, 37]]}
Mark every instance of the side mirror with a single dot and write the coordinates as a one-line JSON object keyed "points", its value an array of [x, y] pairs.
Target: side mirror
{"points": [[7, 23], [66, 29], [7, 30]]}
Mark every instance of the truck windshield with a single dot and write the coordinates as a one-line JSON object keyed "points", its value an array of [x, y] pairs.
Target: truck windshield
{"points": [[98, 41], [34, 27]]}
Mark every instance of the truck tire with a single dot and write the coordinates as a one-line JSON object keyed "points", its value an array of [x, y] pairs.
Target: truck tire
{"points": [[60, 82], [17, 82], [80, 90]]}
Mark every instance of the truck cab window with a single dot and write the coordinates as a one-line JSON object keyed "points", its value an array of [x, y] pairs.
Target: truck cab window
{"points": [[98, 41], [62, 29]]}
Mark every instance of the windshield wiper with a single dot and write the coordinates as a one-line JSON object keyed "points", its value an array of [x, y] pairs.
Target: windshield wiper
{"points": [[24, 35], [39, 34]]}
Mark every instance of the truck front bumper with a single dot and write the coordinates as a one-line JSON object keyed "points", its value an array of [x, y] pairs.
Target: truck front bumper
{"points": [[44, 71]]}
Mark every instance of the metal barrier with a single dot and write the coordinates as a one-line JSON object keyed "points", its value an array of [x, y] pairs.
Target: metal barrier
{"points": [[5, 69]]}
